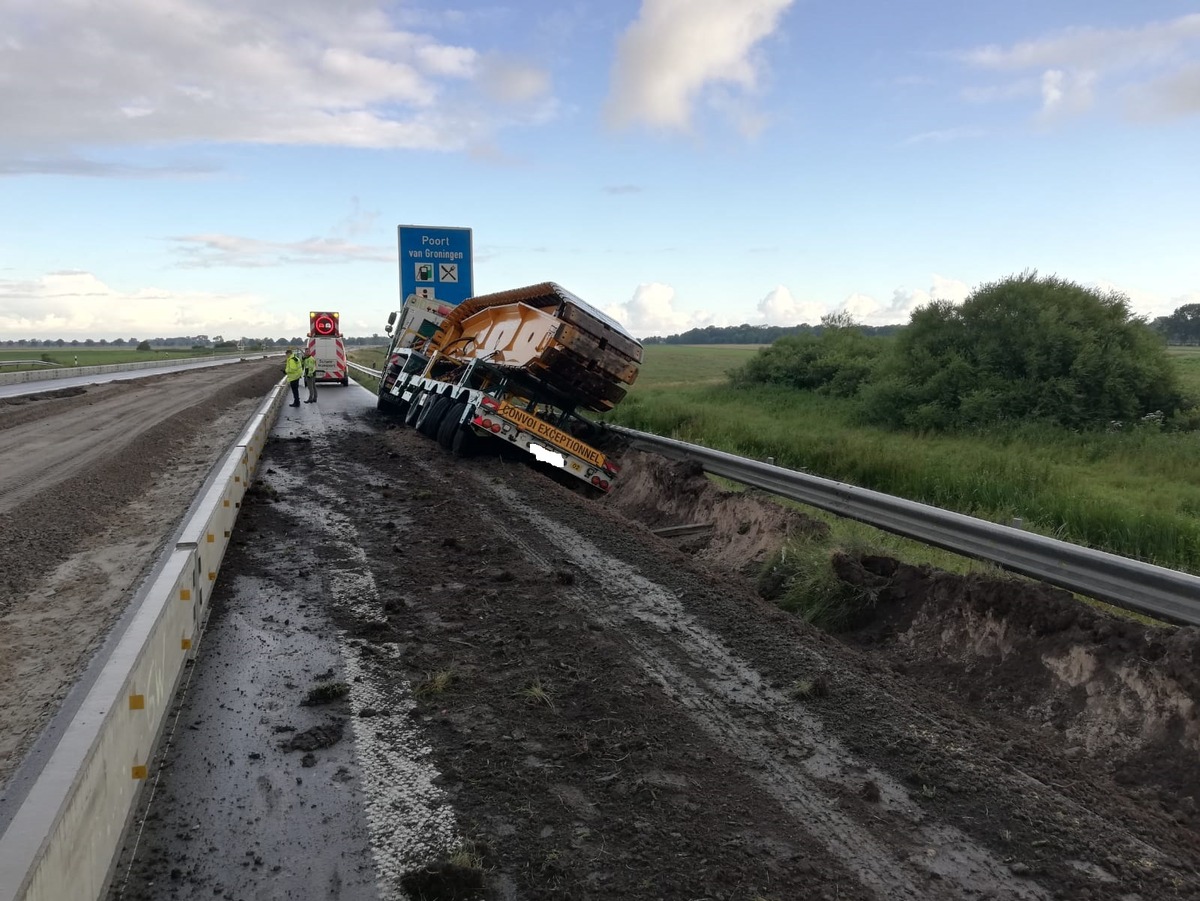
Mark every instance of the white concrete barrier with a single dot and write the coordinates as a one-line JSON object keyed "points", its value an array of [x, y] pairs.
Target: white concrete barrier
{"points": [[70, 372], [63, 839]]}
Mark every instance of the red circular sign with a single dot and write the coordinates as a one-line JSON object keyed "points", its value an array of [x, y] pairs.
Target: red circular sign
{"points": [[323, 325]]}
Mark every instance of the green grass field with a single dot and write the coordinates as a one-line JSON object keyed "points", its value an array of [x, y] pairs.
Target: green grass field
{"points": [[91, 356], [1135, 492]]}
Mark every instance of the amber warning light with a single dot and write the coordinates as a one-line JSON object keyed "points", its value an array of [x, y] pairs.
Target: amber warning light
{"points": [[322, 324]]}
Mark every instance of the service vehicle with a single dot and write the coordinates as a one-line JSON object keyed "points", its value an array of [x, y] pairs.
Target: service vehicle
{"points": [[325, 338], [516, 366]]}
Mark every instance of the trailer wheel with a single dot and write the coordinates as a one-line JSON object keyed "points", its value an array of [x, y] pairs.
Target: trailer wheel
{"points": [[450, 421], [431, 416], [414, 410], [345, 380], [464, 441]]}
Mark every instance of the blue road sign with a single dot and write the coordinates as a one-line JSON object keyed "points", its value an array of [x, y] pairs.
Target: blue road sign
{"points": [[436, 263]]}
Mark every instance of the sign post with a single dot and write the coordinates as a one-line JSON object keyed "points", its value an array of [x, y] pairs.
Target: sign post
{"points": [[436, 263]]}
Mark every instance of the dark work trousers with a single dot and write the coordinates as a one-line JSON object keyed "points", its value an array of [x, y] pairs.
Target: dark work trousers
{"points": [[295, 386], [311, 381]]}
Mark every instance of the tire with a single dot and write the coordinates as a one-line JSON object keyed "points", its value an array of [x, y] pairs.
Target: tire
{"points": [[465, 442], [445, 434], [431, 416], [414, 410], [345, 381]]}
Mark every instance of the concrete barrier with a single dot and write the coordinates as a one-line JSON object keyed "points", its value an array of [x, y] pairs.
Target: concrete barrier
{"points": [[70, 372], [63, 839]]}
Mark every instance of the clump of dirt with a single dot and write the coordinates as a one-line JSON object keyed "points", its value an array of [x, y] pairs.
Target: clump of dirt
{"points": [[1122, 694], [325, 693], [745, 527], [324, 736], [444, 881]]}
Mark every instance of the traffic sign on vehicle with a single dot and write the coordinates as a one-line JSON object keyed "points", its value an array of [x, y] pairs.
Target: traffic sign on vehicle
{"points": [[436, 263]]}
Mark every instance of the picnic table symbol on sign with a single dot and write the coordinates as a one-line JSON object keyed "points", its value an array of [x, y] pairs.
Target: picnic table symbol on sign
{"points": [[448, 272]]}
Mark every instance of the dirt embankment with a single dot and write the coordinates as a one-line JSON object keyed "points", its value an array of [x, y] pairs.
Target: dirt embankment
{"points": [[1120, 695]]}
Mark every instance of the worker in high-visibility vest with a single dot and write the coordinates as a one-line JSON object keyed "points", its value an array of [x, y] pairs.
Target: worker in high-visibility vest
{"points": [[310, 375], [292, 369]]}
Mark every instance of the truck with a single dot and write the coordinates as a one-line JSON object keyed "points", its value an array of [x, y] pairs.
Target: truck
{"points": [[325, 340], [518, 367]]}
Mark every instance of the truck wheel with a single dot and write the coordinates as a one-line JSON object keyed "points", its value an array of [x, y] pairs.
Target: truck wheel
{"points": [[345, 380], [464, 442], [431, 416], [414, 410], [449, 426]]}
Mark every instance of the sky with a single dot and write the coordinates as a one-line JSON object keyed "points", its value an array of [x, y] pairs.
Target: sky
{"points": [[223, 167]]}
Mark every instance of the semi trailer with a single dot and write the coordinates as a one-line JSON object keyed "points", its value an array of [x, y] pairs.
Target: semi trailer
{"points": [[519, 367]]}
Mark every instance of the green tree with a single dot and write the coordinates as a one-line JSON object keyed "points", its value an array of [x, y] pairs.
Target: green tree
{"points": [[1023, 348], [144, 345]]}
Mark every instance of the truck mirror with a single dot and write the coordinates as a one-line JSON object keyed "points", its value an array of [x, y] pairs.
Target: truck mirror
{"points": [[391, 318]]}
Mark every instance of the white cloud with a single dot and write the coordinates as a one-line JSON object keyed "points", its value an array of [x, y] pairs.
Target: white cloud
{"points": [[652, 311], [1066, 93], [869, 311], [1146, 303], [204, 251], [1168, 97], [83, 75], [779, 307], [1155, 63], [945, 136], [1157, 43], [79, 305], [677, 50], [513, 81]]}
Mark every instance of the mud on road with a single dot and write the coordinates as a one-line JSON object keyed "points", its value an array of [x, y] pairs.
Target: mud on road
{"points": [[614, 717]]}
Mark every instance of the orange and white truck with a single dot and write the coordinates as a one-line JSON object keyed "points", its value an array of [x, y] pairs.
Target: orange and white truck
{"points": [[325, 338], [518, 367]]}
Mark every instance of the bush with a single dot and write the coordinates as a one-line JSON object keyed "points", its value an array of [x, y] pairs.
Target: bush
{"points": [[1024, 348], [836, 362], [145, 345]]}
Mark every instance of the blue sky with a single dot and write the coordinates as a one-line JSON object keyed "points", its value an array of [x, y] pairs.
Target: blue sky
{"points": [[221, 167]]}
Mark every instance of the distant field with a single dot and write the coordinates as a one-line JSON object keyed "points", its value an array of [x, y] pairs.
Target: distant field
{"points": [[1187, 364], [678, 365], [92, 356]]}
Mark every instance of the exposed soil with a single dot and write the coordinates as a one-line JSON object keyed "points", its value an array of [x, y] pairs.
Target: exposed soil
{"points": [[92, 482], [616, 714]]}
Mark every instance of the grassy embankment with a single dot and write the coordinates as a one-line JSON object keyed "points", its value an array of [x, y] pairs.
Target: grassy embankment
{"points": [[1134, 492]]}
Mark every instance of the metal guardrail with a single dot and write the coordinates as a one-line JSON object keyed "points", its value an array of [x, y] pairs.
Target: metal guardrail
{"points": [[1153, 590], [364, 370]]}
